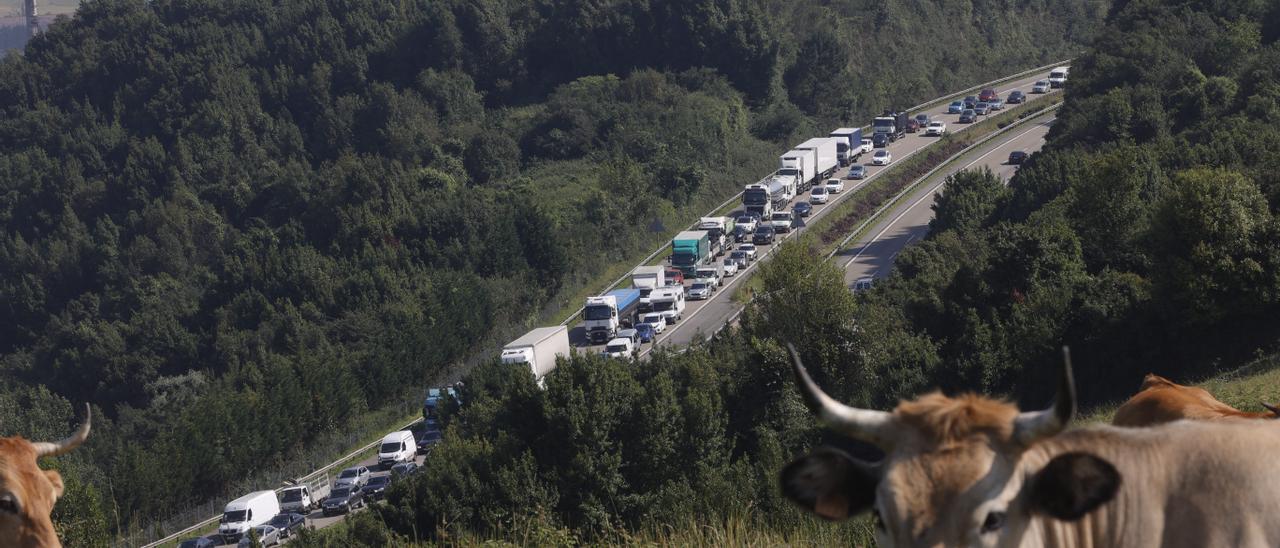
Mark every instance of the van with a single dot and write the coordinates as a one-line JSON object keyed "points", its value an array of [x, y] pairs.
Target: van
{"points": [[244, 513], [1058, 76], [397, 447]]}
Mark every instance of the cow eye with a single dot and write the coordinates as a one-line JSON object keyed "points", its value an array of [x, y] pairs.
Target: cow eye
{"points": [[994, 521], [9, 503]]}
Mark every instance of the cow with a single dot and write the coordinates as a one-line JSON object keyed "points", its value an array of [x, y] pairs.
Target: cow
{"points": [[27, 493], [974, 471], [1161, 400]]}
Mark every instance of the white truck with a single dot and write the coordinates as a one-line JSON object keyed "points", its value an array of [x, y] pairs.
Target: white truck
{"points": [[848, 144], [245, 513], [646, 279], [719, 230], [304, 495], [1058, 76], [538, 349], [797, 167], [669, 301], [826, 157]]}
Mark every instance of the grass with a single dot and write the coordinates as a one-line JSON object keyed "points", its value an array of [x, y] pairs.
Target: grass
{"points": [[1243, 388]]}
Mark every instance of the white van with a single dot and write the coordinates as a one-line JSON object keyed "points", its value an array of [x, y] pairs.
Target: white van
{"points": [[1058, 76], [397, 447], [247, 512]]}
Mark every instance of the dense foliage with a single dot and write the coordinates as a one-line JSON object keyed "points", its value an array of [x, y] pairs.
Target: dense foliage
{"points": [[235, 226]]}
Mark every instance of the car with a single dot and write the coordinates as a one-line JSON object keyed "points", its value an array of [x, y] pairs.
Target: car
{"points": [[429, 424], [700, 290], [1041, 86], [750, 250], [764, 234], [619, 348], [857, 171], [781, 221], [835, 186], [201, 542], [956, 107], [342, 500], [996, 104], [287, 523], [741, 233], [427, 442], [356, 475], [1016, 97], [981, 109], [647, 332], [655, 320], [404, 469], [922, 120], [743, 258], [969, 101], [879, 140], [866, 145], [882, 158], [912, 125], [729, 267], [987, 94], [435, 397], [936, 127], [376, 487], [968, 116], [801, 209], [266, 535], [818, 195], [674, 276], [630, 333], [1017, 157], [747, 221], [863, 283]]}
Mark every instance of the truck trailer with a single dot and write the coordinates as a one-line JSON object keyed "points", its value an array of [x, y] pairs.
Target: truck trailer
{"points": [[689, 250], [848, 144], [826, 159], [603, 316], [892, 124], [798, 165], [646, 279], [719, 230], [538, 349]]}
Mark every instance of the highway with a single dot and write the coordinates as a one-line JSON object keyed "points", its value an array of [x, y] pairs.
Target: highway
{"points": [[873, 255], [704, 318]]}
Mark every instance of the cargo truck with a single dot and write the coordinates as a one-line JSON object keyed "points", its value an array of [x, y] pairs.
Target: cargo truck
{"points": [[719, 230], [603, 316], [538, 349], [689, 250], [646, 279], [304, 495], [756, 198], [892, 124], [848, 144], [797, 168], [826, 160]]}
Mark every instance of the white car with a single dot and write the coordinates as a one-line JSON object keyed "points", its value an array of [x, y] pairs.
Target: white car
{"points": [[356, 475], [835, 186], [818, 195], [936, 128], [882, 158], [620, 347], [656, 320], [867, 145], [1041, 86], [700, 290], [748, 222], [741, 257], [863, 284], [729, 266], [750, 250]]}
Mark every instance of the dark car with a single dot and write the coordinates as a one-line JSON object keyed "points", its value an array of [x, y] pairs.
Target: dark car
{"points": [[342, 500], [987, 94], [802, 209], [1015, 97], [645, 332], [923, 120], [287, 523], [880, 140], [435, 397], [912, 125], [740, 234], [201, 542], [970, 101], [428, 441], [376, 487], [764, 235], [408, 468], [968, 116], [1017, 157], [857, 171]]}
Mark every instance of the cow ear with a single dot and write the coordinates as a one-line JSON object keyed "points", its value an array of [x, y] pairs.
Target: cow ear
{"points": [[1072, 485], [831, 484], [55, 479]]}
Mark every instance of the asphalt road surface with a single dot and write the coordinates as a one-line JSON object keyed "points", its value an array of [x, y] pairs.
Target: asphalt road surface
{"points": [[873, 255]]}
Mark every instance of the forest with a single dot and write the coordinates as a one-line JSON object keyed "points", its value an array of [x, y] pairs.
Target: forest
{"points": [[233, 227], [1144, 236]]}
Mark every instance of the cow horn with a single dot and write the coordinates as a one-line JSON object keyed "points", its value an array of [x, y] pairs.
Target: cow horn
{"points": [[1034, 425], [47, 449], [1273, 409], [872, 426]]}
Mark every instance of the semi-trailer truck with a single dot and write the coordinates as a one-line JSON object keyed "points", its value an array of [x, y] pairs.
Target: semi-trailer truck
{"points": [[538, 349], [892, 124], [826, 160], [689, 250], [603, 316], [718, 230], [646, 279], [797, 168], [848, 145], [756, 198]]}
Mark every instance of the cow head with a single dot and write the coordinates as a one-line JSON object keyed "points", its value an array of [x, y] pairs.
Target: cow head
{"points": [[957, 471], [27, 493]]}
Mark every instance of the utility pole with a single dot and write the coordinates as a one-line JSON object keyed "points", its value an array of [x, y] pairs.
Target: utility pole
{"points": [[33, 20]]}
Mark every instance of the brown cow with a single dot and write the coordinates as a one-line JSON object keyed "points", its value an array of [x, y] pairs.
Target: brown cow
{"points": [[1161, 400], [27, 493]]}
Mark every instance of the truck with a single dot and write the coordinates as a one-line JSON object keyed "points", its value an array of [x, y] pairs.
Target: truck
{"points": [[646, 279], [245, 513], [304, 494], [538, 349], [848, 144], [669, 302], [798, 165], [892, 124], [606, 314], [758, 198], [1058, 76], [826, 157], [689, 250], [719, 230]]}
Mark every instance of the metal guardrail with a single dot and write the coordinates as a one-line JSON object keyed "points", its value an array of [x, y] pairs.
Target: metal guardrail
{"points": [[737, 196], [322, 470]]}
